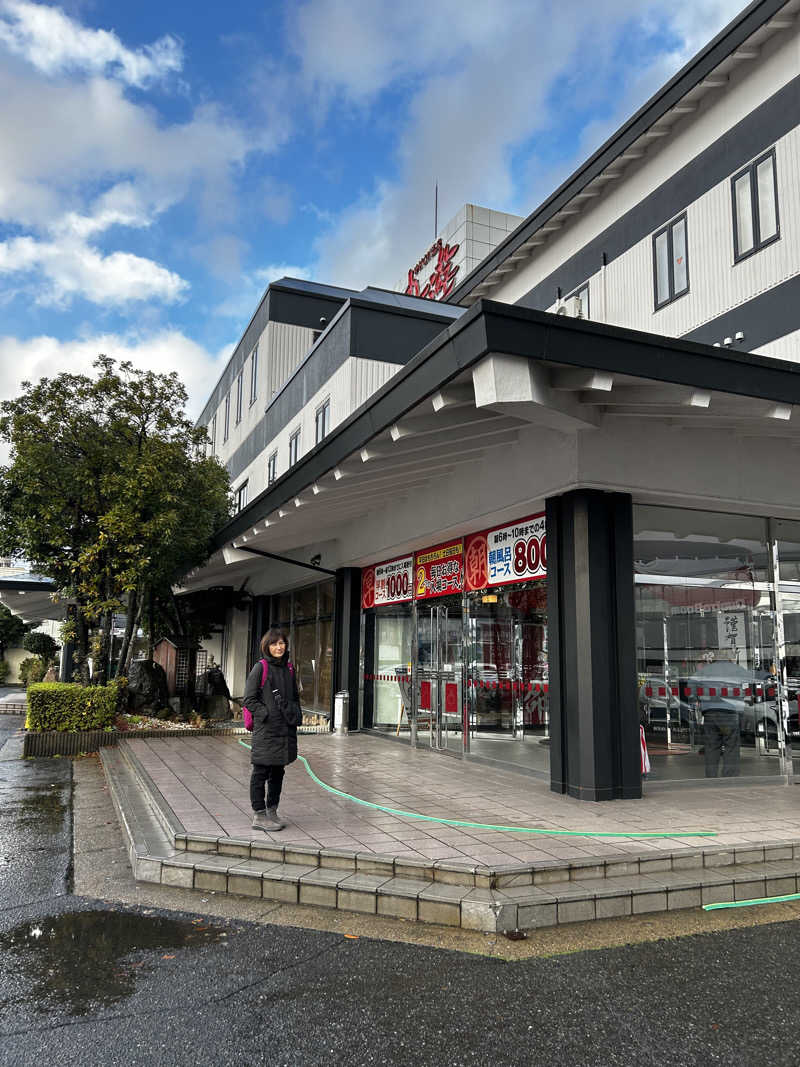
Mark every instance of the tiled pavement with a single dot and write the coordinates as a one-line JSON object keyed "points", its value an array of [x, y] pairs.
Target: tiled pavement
{"points": [[204, 781]]}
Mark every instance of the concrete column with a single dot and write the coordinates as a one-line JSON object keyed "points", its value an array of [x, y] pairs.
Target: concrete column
{"points": [[347, 629], [594, 722]]}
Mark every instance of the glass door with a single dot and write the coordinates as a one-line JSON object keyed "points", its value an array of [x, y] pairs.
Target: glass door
{"points": [[507, 678], [710, 691], [440, 673]]}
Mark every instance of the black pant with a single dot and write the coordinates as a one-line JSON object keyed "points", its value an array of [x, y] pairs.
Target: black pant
{"points": [[721, 738], [271, 775]]}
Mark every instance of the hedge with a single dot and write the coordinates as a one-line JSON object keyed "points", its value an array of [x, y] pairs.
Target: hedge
{"points": [[70, 707]]}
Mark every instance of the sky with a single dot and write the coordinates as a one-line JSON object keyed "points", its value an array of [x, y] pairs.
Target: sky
{"points": [[161, 163]]}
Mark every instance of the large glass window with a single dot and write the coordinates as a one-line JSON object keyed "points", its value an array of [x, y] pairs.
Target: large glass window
{"points": [[254, 375], [707, 645], [307, 614], [670, 262], [239, 390], [391, 663], [755, 206], [678, 543]]}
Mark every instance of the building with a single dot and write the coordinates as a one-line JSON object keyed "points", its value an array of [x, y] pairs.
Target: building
{"points": [[463, 244], [519, 525]]}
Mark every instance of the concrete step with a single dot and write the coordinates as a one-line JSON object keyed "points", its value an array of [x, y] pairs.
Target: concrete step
{"points": [[471, 896], [16, 707]]}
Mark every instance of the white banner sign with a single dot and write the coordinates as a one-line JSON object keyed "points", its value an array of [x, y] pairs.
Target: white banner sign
{"points": [[517, 552], [731, 633], [394, 581]]}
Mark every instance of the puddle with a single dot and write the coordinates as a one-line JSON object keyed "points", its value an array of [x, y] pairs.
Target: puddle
{"points": [[37, 806], [80, 961]]}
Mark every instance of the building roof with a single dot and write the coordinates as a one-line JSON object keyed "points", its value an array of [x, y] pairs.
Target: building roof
{"points": [[428, 413], [706, 73], [29, 596]]}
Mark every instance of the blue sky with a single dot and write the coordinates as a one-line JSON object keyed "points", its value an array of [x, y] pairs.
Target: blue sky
{"points": [[161, 163]]}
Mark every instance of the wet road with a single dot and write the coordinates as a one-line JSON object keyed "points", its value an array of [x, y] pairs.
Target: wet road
{"points": [[92, 983], [124, 988], [35, 824]]}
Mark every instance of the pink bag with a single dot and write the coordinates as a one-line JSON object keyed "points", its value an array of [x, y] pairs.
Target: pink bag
{"points": [[247, 716]]}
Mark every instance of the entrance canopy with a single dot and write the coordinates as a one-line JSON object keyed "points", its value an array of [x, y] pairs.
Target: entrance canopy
{"points": [[575, 402], [29, 596]]}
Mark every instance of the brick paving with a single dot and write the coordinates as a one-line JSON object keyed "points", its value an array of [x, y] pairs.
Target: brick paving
{"points": [[205, 782]]}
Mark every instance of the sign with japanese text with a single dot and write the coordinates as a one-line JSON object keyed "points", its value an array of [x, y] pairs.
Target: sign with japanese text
{"points": [[439, 571], [394, 581], [506, 554], [731, 634], [443, 277]]}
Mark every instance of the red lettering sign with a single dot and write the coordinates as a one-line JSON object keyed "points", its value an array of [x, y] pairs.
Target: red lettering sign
{"points": [[443, 279]]}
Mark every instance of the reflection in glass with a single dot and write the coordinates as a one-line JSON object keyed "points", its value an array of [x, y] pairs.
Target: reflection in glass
{"points": [[767, 215], [699, 544], [744, 214], [708, 681], [787, 534], [680, 274], [662, 268]]}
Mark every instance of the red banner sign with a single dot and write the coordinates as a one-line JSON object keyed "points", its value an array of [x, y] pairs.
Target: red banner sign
{"points": [[506, 554], [439, 571], [368, 588]]}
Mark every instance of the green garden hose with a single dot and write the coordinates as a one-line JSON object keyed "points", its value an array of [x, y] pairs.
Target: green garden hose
{"points": [[491, 826], [750, 903]]}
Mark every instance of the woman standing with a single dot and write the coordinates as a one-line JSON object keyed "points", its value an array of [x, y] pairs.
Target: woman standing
{"points": [[271, 697]]}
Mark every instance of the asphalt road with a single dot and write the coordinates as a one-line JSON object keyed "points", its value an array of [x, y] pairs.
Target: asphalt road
{"points": [[117, 987], [86, 981]]}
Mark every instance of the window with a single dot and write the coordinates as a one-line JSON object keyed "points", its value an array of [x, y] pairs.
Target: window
{"points": [[253, 376], [670, 262], [755, 207], [294, 448], [576, 305], [226, 425], [241, 496], [212, 434], [239, 387], [272, 468], [323, 419]]}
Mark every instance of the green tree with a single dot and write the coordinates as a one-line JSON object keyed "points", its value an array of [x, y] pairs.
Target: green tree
{"points": [[109, 493], [40, 644]]}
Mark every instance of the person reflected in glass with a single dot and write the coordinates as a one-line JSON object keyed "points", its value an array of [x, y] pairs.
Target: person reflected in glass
{"points": [[721, 713]]}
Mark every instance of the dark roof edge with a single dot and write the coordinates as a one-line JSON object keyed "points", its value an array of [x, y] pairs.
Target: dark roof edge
{"points": [[281, 285], [494, 326], [726, 42]]}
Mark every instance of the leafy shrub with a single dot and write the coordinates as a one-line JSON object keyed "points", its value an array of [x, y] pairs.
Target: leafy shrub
{"points": [[5, 669], [40, 644], [70, 707], [32, 670]]}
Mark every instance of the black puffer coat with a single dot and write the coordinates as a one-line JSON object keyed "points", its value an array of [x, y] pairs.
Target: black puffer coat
{"points": [[275, 717]]}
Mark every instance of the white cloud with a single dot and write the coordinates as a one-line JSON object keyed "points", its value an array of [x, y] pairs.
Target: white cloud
{"points": [[54, 43], [167, 350], [480, 81], [67, 267]]}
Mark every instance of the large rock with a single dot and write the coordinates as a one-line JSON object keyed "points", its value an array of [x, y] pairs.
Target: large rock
{"points": [[147, 686]]}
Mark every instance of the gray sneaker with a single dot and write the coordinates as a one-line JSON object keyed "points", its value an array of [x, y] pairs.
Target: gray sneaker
{"points": [[260, 821], [274, 822]]}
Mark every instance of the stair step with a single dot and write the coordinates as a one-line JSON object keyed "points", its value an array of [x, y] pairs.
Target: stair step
{"points": [[474, 897]]}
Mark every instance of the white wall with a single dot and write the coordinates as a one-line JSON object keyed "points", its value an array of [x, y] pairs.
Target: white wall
{"points": [[751, 84], [348, 387]]}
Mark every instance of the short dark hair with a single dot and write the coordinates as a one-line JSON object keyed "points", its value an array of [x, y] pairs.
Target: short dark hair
{"points": [[275, 633]]}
